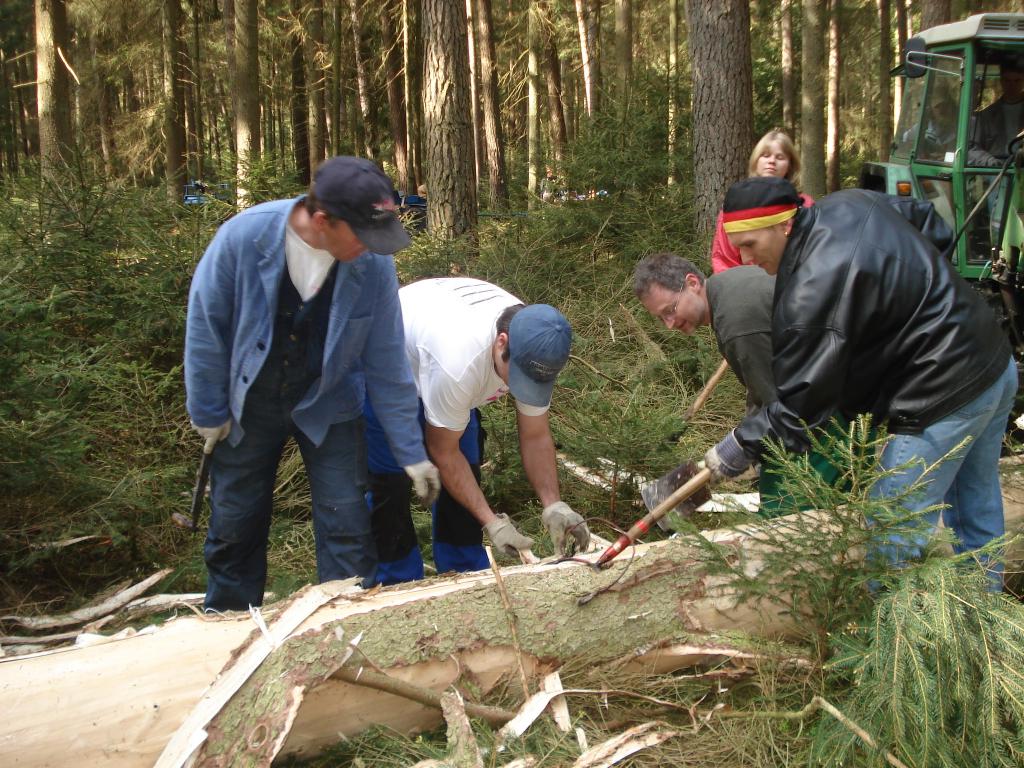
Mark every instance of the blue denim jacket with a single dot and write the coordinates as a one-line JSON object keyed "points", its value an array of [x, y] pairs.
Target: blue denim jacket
{"points": [[231, 308]]}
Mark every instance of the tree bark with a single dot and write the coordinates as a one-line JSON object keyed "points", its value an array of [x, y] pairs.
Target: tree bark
{"points": [[719, 42], [553, 76], [174, 110], [336, 107], [812, 101], [533, 152], [901, 46], [316, 60], [448, 137], [494, 140], [832, 146], [228, 105], [396, 103], [594, 34], [53, 92], [363, 82], [587, 55], [299, 98], [246, 93], [407, 93], [673, 87], [623, 52], [935, 12], [884, 87], [788, 75]]}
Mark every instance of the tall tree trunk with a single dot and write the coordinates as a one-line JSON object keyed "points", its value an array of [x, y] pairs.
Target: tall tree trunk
{"points": [[673, 87], [197, 90], [105, 105], [299, 98], [812, 101], [935, 12], [53, 92], [719, 39], [474, 97], [28, 127], [246, 93], [884, 87], [834, 74], [9, 105], [533, 151], [396, 105], [623, 52], [316, 81], [494, 140], [569, 99], [363, 81], [337, 101], [228, 14], [174, 110], [901, 45], [587, 54], [407, 94], [788, 75], [553, 76], [594, 33], [448, 135]]}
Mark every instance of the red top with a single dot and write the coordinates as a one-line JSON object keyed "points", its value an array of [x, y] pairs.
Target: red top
{"points": [[723, 255]]}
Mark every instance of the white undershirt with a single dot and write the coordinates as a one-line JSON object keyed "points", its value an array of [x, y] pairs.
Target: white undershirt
{"points": [[307, 266]]}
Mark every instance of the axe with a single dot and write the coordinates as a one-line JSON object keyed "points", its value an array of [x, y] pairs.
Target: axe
{"points": [[199, 491]]}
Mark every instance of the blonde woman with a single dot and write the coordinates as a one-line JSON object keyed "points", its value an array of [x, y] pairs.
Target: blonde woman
{"points": [[773, 155]]}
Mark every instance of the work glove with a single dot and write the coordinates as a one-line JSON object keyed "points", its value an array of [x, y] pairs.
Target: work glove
{"points": [[727, 459], [426, 481], [213, 433], [560, 520], [505, 537]]}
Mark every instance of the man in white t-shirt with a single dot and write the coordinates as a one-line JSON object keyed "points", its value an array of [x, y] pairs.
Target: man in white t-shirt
{"points": [[468, 343]]}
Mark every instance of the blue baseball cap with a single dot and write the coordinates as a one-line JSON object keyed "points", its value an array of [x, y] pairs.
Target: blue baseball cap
{"points": [[539, 338], [359, 193]]}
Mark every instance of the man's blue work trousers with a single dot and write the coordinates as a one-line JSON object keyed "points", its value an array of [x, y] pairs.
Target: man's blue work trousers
{"points": [[968, 482], [241, 494], [457, 535]]}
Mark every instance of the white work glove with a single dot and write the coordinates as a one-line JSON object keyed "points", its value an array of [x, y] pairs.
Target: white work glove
{"points": [[727, 459], [505, 537], [560, 520], [426, 481], [213, 433]]}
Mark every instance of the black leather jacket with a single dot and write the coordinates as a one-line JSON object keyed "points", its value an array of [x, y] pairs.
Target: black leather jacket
{"points": [[868, 318]]}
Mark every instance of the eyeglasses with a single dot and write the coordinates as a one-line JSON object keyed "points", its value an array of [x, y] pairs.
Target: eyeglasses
{"points": [[667, 316]]}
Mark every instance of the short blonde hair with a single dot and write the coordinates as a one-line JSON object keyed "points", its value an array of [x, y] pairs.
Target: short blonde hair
{"points": [[788, 147]]}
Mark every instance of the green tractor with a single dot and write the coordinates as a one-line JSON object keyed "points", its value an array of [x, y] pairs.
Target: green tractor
{"points": [[957, 146]]}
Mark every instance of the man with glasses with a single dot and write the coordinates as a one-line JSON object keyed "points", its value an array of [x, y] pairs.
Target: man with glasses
{"points": [[737, 304], [293, 316]]}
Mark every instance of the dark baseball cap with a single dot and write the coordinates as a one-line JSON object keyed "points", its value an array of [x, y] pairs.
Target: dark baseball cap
{"points": [[539, 338], [358, 192]]}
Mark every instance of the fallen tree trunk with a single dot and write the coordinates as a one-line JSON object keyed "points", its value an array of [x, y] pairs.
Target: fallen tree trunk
{"points": [[120, 704]]}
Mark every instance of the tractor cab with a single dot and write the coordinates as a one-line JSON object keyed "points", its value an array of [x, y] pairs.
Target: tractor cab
{"points": [[963, 103]]}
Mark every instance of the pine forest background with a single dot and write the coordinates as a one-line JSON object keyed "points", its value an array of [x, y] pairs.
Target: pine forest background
{"points": [[108, 108]]}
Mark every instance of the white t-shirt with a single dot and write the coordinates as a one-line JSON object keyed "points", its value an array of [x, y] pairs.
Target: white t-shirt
{"points": [[449, 333], [307, 266]]}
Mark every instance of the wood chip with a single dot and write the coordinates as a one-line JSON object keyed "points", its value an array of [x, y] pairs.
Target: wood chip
{"points": [[616, 749]]}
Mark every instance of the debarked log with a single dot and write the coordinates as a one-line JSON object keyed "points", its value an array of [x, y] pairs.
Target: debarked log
{"points": [[120, 704]]}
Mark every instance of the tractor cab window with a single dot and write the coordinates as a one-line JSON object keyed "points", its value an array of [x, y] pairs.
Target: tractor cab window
{"points": [[910, 116], [936, 130], [998, 93]]}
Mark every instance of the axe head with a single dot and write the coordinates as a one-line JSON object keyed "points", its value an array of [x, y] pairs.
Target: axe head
{"points": [[656, 491]]}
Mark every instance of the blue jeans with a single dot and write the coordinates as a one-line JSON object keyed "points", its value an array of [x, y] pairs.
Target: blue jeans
{"points": [[241, 499], [967, 482]]}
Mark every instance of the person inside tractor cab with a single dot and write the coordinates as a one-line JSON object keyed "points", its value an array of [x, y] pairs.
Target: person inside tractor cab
{"points": [[1000, 121]]}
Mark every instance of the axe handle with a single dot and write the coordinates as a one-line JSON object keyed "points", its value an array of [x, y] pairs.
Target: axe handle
{"points": [[708, 389], [682, 493]]}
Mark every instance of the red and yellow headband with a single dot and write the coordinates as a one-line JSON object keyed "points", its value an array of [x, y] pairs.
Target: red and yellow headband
{"points": [[747, 219]]}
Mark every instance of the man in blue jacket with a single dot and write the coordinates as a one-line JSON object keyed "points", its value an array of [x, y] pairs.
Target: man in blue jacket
{"points": [[293, 316]]}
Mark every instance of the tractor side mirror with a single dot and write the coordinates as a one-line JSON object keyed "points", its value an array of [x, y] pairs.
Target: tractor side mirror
{"points": [[915, 58]]}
